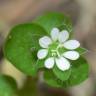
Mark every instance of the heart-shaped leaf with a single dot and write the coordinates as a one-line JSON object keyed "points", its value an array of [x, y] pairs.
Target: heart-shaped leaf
{"points": [[22, 45]]}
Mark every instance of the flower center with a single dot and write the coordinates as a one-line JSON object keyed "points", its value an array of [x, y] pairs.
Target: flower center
{"points": [[54, 52]]}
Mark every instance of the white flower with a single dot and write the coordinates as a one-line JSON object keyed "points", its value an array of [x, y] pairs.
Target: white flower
{"points": [[60, 59]]}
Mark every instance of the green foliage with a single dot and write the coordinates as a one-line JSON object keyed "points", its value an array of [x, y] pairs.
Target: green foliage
{"points": [[79, 73], [22, 45], [8, 86], [51, 79], [51, 20], [62, 75], [80, 70]]}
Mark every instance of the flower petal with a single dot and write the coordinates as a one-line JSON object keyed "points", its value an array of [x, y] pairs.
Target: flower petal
{"points": [[62, 63], [49, 63], [55, 34], [63, 36], [72, 55], [42, 53], [45, 41], [71, 44]]}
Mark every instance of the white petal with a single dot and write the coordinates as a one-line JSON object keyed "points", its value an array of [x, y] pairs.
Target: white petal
{"points": [[72, 55], [45, 41], [49, 63], [55, 34], [42, 53], [63, 36], [62, 63], [71, 44]]}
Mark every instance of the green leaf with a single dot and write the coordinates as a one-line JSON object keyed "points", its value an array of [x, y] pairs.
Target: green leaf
{"points": [[81, 50], [51, 79], [79, 73], [51, 20], [8, 86], [21, 47], [62, 75]]}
